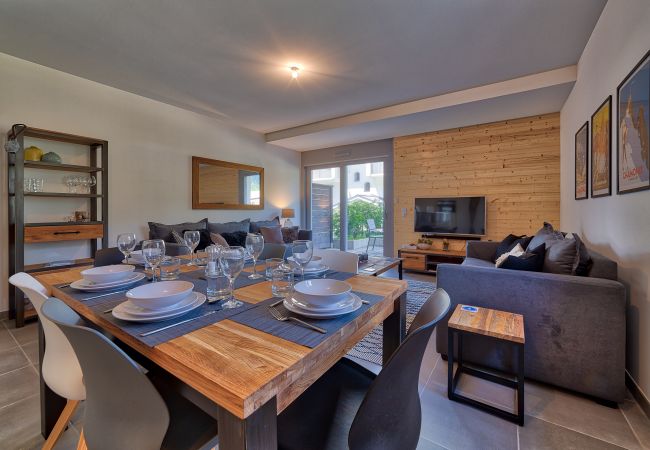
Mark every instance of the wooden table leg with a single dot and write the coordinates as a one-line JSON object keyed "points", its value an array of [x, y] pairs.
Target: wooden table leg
{"points": [[51, 404], [257, 432], [394, 328]]}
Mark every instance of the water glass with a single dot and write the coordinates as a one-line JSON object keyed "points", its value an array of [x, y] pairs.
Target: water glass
{"points": [[153, 252], [302, 251], [254, 246], [170, 268], [282, 282], [272, 264], [126, 243]]}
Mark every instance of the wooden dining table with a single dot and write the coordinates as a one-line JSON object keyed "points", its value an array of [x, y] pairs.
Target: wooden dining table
{"points": [[247, 375]]}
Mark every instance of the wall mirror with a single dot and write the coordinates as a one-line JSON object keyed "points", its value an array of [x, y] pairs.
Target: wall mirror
{"points": [[225, 185]]}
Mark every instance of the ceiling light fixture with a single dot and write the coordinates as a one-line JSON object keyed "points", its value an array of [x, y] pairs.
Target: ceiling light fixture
{"points": [[295, 70]]}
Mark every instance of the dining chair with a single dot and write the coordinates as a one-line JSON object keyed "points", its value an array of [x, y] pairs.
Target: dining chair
{"points": [[374, 233], [272, 250], [351, 407], [108, 257], [124, 409], [60, 368], [339, 260]]}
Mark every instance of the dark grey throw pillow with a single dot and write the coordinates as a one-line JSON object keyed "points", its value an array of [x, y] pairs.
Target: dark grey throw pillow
{"points": [[584, 263], [544, 234], [532, 260], [255, 226], [164, 232], [236, 239], [230, 227], [561, 256]]}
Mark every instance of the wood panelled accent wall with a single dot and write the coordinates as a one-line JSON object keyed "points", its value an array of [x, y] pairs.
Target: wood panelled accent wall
{"points": [[515, 164]]}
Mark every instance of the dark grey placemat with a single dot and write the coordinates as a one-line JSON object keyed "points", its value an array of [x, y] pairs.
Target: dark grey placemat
{"points": [[242, 280], [98, 303], [261, 319]]}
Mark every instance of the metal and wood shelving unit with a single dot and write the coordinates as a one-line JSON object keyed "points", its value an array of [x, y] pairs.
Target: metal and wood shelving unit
{"points": [[21, 233]]}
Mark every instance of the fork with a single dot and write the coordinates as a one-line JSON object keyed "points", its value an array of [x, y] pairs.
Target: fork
{"points": [[278, 315]]}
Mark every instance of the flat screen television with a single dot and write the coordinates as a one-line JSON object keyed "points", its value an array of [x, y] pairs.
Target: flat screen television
{"points": [[451, 216]]}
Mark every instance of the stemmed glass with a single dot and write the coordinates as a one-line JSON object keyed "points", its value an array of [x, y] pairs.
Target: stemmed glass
{"points": [[153, 252], [302, 254], [192, 238], [254, 246], [232, 263], [126, 244]]}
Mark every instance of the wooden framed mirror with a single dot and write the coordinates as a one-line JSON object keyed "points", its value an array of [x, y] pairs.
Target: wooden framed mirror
{"points": [[225, 185]]}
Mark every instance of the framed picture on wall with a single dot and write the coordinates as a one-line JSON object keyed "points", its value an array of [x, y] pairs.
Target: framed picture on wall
{"points": [[582, 162], [601, 150], [632, 145]]}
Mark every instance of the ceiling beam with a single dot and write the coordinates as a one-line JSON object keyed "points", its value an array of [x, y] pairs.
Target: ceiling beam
{"points": [[532, 82]]}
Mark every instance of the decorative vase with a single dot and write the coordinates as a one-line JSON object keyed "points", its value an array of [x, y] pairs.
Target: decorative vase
{"points": [[33, 153]]}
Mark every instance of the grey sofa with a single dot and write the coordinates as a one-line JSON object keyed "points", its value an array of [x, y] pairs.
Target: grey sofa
{"points": [[574, 325]]}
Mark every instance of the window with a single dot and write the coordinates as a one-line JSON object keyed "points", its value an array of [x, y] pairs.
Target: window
{"points": [[377, 168], [357, 176], [323, 174], [366, 187]]}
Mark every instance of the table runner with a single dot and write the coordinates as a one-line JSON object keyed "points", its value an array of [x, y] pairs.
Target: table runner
{"points": [[261, 319]]}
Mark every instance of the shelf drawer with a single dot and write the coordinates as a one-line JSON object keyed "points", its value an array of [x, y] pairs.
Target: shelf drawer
{"points": [[63, 233], [413, 261]]}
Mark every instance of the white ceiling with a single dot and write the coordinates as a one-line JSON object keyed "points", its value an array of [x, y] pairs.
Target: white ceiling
{"points": [[228, 58]]}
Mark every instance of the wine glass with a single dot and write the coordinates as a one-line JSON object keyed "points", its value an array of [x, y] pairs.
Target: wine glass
{"points": [[192, 239], [302, 254], [126, 244], [153, 252], [254, 246], [232, 263]]}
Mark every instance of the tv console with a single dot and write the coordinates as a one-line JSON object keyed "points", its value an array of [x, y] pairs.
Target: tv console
{"points": [[426, 261]]}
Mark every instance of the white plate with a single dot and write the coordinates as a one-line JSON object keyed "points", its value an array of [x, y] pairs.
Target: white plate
{"points": [[83, 285], [312, 271], [303, 303], [119, 313], [161, 294], [288, 303], [108, 274], [131, 308], [315, 263]]}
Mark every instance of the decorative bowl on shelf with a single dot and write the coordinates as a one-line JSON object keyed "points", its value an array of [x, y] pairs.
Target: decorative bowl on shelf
{"points": [[33, 153], [51, 157], [423, 246]]}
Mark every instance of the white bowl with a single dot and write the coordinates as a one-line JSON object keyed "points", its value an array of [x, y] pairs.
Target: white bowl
{"points": [[322, 292], [160, 295], [315, 263], [108, 274]]}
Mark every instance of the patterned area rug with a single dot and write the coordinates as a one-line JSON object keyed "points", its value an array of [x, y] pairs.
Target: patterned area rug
{"points": [[370, 347]]}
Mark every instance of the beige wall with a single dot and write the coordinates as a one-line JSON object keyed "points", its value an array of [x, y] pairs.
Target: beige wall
{"points": [[150, 150], [619, 225], [515, 164]]}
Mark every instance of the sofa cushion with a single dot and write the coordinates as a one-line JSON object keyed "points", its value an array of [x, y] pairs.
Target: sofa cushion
{"points": [[229, 227], [217, 239], [164, 232], [477, 262], [532, 261], [509, 242], [561, 256], [518, 250], [584, 263], [290, 234], [272, 235], [255, 226], [544, 234], [236, 239]]}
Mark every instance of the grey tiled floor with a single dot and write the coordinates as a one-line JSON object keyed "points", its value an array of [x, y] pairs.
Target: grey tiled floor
{"points": [[555, 419]]}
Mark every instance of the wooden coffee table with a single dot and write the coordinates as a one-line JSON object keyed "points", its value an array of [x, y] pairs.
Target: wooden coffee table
{"points": [[492, 324], [376, 265]]}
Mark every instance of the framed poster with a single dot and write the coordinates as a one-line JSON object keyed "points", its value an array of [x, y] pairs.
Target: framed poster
{"points": [[601, 150], [582, 162], [633, 98]]}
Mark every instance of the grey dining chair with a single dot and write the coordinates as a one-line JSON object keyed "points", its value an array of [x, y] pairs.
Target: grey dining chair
{"points": [[351, 407], [272, 250], [123, 407], [108, 257]]}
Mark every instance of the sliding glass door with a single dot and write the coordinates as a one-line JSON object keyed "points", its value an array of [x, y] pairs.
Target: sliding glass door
{"points": [[346, 206]]}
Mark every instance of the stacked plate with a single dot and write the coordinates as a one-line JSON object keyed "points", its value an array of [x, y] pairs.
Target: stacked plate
{"points": [[322, 299], [136, 258], [159, 301], [107, 278], [314, 267]]}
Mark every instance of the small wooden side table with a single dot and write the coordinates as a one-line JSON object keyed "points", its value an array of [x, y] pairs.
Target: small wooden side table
{"points": [[500, 325]]}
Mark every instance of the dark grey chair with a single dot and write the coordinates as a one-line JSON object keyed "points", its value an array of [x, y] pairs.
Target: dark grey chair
{"points": [[123, 407], [108, 256], [349, 406], [274, 251]]}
